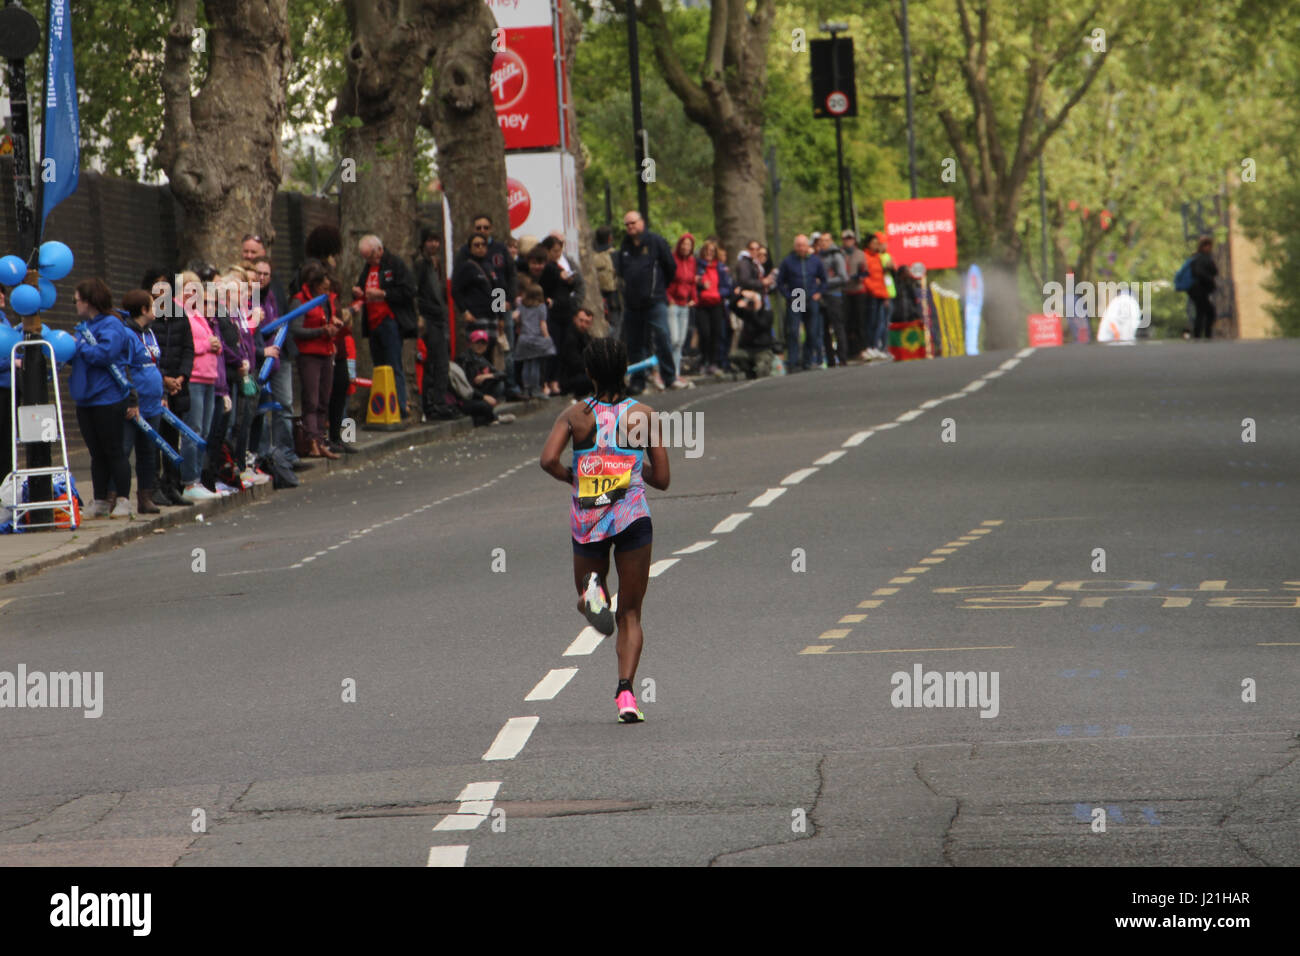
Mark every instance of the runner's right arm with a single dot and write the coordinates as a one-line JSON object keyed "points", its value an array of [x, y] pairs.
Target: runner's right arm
{"points": [[554, 447]]}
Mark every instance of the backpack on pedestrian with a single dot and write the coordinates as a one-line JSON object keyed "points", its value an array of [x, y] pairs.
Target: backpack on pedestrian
{"points": [[1183, 277]]}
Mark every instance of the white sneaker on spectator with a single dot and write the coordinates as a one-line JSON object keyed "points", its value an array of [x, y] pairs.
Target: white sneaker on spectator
{"points": [[196, 492], [122, 509], [253, 477], [99, 509], [505, 418], [680, 383]]}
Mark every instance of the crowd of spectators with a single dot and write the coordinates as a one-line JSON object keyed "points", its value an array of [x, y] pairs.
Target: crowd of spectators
{"points": [[193, 344]]}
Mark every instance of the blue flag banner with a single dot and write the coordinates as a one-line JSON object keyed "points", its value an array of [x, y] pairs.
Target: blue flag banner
{"points": [[61, 127]]}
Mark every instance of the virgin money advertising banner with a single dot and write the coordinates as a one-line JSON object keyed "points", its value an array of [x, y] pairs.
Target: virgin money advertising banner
{"points": [[542, 195], [922, 230], [523, 74]]}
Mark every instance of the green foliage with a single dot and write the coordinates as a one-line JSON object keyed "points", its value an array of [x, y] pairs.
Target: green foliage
{"points": [[681, 197]]}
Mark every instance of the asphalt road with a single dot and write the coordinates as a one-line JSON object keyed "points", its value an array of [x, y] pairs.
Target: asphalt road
{"points": [[964, 537]]}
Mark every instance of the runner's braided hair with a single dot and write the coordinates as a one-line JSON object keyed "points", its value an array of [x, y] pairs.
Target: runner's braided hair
{"points": [[606, 362]]}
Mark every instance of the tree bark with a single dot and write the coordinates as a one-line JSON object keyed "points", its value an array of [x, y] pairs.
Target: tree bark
{"points": [[392, 41], [591, 286], [727, 102], [460, 115], [220, 148]]}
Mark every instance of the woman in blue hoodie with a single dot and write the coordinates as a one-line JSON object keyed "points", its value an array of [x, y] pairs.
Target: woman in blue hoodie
{"points": [[103, 406], [146, 377]]}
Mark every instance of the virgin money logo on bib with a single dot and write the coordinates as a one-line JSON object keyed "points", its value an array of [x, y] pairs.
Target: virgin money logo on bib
{"points": [[509, 79], [518, 202], [590, 465]]}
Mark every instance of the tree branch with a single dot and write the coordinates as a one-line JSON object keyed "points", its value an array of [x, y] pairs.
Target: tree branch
{"points": [[695, 102]]}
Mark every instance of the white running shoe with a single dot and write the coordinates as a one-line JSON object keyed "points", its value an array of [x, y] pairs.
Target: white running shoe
{"points": [[196, 492], [99, 509], [680, 383], [253, 477], [122, 509]]}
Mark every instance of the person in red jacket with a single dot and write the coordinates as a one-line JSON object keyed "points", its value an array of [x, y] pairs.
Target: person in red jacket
{"points": [[314, 334], [682, 297]]}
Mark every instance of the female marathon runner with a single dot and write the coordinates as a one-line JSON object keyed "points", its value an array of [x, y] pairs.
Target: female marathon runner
{"points": [[613, 436]]}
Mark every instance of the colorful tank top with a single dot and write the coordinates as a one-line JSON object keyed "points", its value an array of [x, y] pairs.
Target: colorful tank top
{"points": [[608, 493]]}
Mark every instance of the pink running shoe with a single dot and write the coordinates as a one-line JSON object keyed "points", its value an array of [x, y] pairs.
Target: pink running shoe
{"points": [[628, 713]]}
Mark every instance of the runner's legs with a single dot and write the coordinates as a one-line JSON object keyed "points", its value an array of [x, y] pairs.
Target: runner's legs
{"points": [[633, 576]]}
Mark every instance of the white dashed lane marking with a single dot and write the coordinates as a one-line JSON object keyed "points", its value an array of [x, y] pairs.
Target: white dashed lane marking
{"points": [[797, 476], [552, 684], [587, 641], [511, 738], [447, 855], [829, 458], [908, 416], [730, 523], [767, 497], [659, 567], [857, 438], [701, 545]]}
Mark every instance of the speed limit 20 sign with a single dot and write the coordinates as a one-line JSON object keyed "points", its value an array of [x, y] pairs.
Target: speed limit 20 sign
{"points": [[837, 103]]}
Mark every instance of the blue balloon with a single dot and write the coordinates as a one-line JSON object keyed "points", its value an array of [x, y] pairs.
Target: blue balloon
{"points": [[55, 260], [12, 270], [8, 337], [26, 299], [47, 291], [65, 345]]}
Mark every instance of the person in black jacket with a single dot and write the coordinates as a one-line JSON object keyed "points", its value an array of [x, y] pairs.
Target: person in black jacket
{"points": [[472, 288], [176, 341], [1204, 273], [644, 264], [386, 292], [431, 299], [573, 376]]}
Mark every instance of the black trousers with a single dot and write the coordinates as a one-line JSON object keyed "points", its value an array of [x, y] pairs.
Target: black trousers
{"points": [[1204, 317], [855, 322], [435, 363], [101, 429], [833, 321]]}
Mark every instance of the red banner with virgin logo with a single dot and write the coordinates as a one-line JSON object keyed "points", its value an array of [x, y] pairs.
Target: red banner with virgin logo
{"points": [[524, 74]]}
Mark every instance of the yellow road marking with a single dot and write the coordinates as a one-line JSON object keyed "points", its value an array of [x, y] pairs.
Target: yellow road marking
{"points": [[991, 523], [932, 561], [881, 591], [870, 604], [816, 649], [980, 531], [917, 570], [916, 650], [902, 580], [968, 540], [852, 618], [834, 634], [943, 550], [1278, 644], [956, 544], [4, 601]]}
